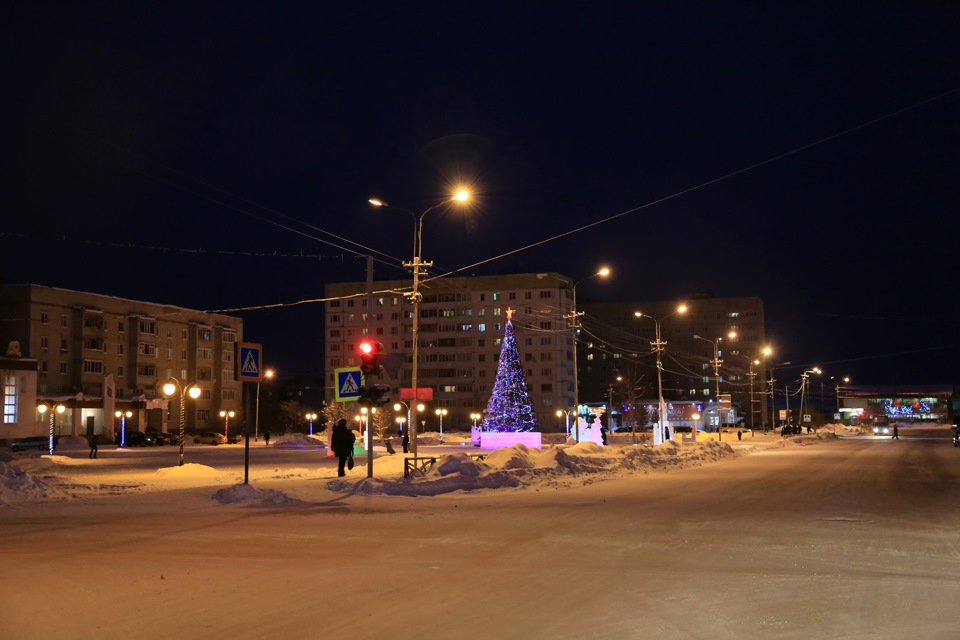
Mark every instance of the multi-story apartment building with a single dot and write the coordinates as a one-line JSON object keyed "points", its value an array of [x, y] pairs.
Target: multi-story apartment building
{"points": [[461, 330], [616, 343], [98, 353], [462, 322]]}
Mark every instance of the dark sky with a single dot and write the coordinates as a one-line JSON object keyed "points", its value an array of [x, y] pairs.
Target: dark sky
{"points": [[201, 153]]}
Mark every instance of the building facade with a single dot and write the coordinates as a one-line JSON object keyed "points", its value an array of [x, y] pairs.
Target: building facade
{"points": [[98, 354], [462, 323]]}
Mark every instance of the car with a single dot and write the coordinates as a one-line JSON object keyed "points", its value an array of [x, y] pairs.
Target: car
{"points": [[40, 443], [162, 437], [881, 426], [209, 437], [139, 439]]}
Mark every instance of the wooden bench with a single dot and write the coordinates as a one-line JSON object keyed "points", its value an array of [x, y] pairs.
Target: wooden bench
{"points": [[423, 464]]}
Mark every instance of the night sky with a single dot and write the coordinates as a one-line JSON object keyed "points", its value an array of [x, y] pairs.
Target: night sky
{"points": [[220, 155]]}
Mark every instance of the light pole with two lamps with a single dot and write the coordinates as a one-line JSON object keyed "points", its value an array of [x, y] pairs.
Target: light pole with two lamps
{"points": [[226, 415], [574, 318], [658, 345], [123, 426], [440, 413], [174, 386], [417, 266], [43, 407], [311, 417]]}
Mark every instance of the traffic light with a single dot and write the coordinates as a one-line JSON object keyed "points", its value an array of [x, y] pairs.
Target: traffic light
{"points": [[370, 357], [374, 395]]}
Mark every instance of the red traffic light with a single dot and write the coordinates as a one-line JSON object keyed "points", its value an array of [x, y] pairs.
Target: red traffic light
{"points": [[370, 357]]}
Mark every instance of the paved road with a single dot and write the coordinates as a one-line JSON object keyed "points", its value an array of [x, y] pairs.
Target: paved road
{"points": [[850, 539]]}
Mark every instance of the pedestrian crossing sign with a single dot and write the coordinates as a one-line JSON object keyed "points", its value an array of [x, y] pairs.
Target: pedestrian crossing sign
{"points": [[349, 381], [249, 360]]}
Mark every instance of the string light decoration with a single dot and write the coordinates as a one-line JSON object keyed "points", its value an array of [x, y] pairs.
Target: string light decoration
{"points": [[509, 409]]}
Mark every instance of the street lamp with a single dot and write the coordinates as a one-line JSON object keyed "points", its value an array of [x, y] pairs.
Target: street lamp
{"points": [[268, 374], [804, 380], [566, 423], [43, 407], [192, 390], [716, 362], [574, 318], [772, 382], [441, 413], [226, 415], [123, 425], [418, 266], [475, 417], [846, 380], [658, 346], [311, 417]]}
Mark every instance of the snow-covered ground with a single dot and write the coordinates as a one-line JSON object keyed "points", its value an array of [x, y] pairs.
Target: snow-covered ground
{"points": [[67, 474], [803, 537]]}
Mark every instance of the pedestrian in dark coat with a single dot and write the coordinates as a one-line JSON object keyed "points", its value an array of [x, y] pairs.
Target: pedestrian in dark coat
{"points": [[896, 432], [266, 438], [92, 439], [341, 441]]}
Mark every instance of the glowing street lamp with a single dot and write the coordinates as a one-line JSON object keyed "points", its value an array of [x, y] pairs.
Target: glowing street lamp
{"points": [[311, 417], [43, 407], [123, 425], [574, 318], [226, 415], [175, 387], [441, 413], [716, 362], [268, 374], [418, 267], [566, 423], [658, 345]]}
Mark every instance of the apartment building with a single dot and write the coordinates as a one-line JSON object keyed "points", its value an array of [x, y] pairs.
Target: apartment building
{"points": [[98, 353], [462, 322]]}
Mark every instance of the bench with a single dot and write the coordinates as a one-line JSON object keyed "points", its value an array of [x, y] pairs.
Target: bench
{"points": [[423, 464]]}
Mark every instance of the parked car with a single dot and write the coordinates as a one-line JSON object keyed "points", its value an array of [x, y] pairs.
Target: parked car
{"points": [[209, 437], [40, 443], [139, 439], [881, 426], [162, 437]]}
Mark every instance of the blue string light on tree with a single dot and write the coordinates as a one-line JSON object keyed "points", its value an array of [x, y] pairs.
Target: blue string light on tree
{"points": [[509, 409]]}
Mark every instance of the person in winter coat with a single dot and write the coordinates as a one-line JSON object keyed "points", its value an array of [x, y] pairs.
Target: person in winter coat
{"points": [[341, 441]]}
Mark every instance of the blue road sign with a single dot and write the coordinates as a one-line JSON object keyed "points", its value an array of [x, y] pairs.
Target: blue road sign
{"points": [[249, 359], [349, 381]]}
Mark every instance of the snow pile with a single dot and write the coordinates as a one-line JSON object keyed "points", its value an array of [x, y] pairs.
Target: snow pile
{"points": [[244, 493], [299, 441], [806, 440], [19, 485], [519, 466]]}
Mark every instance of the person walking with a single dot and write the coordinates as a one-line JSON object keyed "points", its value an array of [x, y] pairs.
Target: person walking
{"points": [[266, 438], [92, 439], [896, 432], [341, 441]]}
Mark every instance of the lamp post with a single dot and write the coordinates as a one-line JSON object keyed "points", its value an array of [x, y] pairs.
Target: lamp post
{"points": [[846, 380], [43, 407], [175, 387], [772, 382], [658, 346], [716, 362], [804, 383], [475, 417], [418, 267], [123, 425], [441, 413], [566, 423], [226, 415], [574, 318], [268, 374], [311, 417]]}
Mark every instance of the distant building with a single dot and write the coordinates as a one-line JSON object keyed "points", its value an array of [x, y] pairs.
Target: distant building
{"points": [[923, 403], [19, 377], [462, 323], [98, 354]]}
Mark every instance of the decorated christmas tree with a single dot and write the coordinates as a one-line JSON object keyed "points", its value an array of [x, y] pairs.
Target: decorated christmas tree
{"points": [[509, 408]]}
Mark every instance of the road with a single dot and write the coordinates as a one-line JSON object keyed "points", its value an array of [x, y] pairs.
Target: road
{"points": [[856, 538]]}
